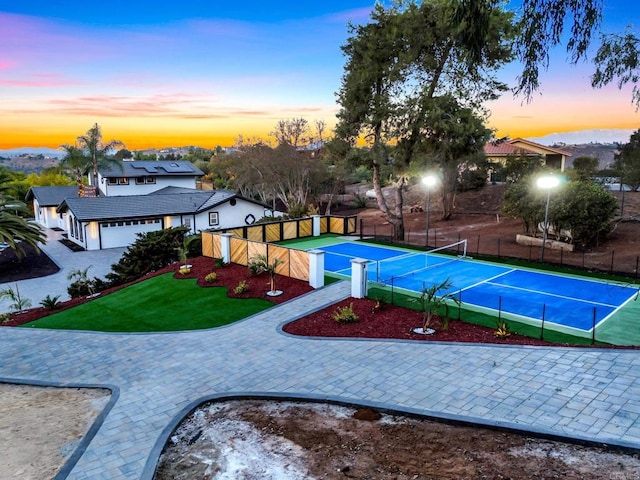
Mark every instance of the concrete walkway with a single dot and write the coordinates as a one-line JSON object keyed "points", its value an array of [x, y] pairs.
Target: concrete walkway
{"points": [[36, 289], [587, 394]]}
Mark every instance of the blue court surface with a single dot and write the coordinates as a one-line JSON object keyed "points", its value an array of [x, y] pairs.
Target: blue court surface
{"points": [[576, 304]]}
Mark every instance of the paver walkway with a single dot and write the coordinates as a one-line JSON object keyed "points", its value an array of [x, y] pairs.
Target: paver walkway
{"points": [[36, 289], [580, 393]]}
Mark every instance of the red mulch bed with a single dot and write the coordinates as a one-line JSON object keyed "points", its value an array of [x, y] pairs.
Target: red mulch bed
{"points": [[395, 322]]}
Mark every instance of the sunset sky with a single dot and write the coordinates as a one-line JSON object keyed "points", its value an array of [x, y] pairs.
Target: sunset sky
{"points": [[202, 72]]}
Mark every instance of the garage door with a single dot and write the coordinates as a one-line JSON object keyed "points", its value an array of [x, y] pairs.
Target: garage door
{"points": [[123, 233]]}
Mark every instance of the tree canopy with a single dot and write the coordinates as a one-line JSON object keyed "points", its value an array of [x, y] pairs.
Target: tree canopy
{"points": [[417, 76], [15, 230], [627, 162]]}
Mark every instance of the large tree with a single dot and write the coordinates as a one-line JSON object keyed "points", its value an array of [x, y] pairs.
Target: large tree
{"points": [[97, 149], [413, 72]]}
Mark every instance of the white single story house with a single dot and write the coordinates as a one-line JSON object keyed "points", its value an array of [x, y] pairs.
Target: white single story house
{"points": [[552, 157], [95, 223], [45, 202]]}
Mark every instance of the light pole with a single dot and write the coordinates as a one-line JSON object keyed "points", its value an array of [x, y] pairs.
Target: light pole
{"points": [[547, 183], [429, 181]]}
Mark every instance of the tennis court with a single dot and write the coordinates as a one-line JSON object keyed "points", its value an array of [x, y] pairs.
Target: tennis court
{"points": [[574, 305]]}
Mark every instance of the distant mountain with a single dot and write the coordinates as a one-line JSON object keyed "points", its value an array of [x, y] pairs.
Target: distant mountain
{"points": [[603, 152], [47, 152], [602, 135]]}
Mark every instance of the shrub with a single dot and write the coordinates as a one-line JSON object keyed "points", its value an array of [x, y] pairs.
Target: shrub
{"points": [[219, 263], [502, 329], [184, 270], [80, 288], [4, 317], [241, 288], [50, 303], [211, 277], [345, 314], [150, 252]]}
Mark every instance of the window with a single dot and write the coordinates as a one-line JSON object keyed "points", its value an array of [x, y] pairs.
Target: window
{"points": [[150, 180], [128, 223], [123, 181], [113, 181], [139, 180], [213, 218], [186, 222], [104, 225]]}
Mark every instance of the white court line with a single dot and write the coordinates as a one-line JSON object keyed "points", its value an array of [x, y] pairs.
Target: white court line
{"points": [[488, 280], [554, 295]]}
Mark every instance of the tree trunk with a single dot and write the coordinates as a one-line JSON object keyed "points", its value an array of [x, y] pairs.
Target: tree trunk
{"points": [[396, 218], [449, 184]]}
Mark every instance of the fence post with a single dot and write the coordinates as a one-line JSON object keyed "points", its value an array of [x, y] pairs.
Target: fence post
{"points": [[593, 328], [498, 248], [316, 225], [478, 246], [361, 228], [561, 252], [612, 253], [316, 268], [225, 247], [359, 277], [637, 260]]}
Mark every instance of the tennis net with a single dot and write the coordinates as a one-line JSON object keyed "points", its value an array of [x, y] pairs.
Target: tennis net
{"points": [[412, 263]]}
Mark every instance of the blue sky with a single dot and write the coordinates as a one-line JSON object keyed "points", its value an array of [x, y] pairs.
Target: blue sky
{"points": [[195, 72]]}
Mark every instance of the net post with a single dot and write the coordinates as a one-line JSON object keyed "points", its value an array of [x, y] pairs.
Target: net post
{"points": [[544, 310]]}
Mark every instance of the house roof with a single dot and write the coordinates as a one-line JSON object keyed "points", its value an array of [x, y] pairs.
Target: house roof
{"points": [[51, 196], [160, 168], [519, 146], [157, 204]]}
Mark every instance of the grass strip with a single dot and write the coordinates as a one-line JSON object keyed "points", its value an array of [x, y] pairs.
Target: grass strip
{"points": [[159, 304]]}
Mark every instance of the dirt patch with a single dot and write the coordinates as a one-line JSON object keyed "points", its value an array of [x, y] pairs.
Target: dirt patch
{"points": [[41, 427], [292, 441]]}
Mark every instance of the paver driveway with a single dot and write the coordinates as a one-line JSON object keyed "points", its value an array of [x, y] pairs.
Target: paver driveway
{"points": [[591, 394]]}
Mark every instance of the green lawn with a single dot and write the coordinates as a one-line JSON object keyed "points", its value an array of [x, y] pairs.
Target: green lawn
{"points": [[159, 304]]}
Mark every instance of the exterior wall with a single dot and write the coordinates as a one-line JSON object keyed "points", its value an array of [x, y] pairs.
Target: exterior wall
{"points": [[45, 216], [135, 189], [230, 215]]}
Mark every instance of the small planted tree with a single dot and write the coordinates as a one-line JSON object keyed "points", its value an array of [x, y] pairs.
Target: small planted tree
{"points": [[82, 284], [18, 303], [431, 302], [260, 264]]}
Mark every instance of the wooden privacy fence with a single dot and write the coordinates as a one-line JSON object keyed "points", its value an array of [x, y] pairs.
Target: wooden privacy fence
{"points": [[295, 263], [297, 228]]}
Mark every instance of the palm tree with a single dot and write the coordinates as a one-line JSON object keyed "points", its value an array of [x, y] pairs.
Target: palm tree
{"points": [[15, 230], [97, 150], [75, 163]]}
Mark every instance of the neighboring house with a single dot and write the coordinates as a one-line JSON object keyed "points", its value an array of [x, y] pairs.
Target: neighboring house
{"points": [[115, 221], [143, 177], [45, 202], [499, 151]]}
